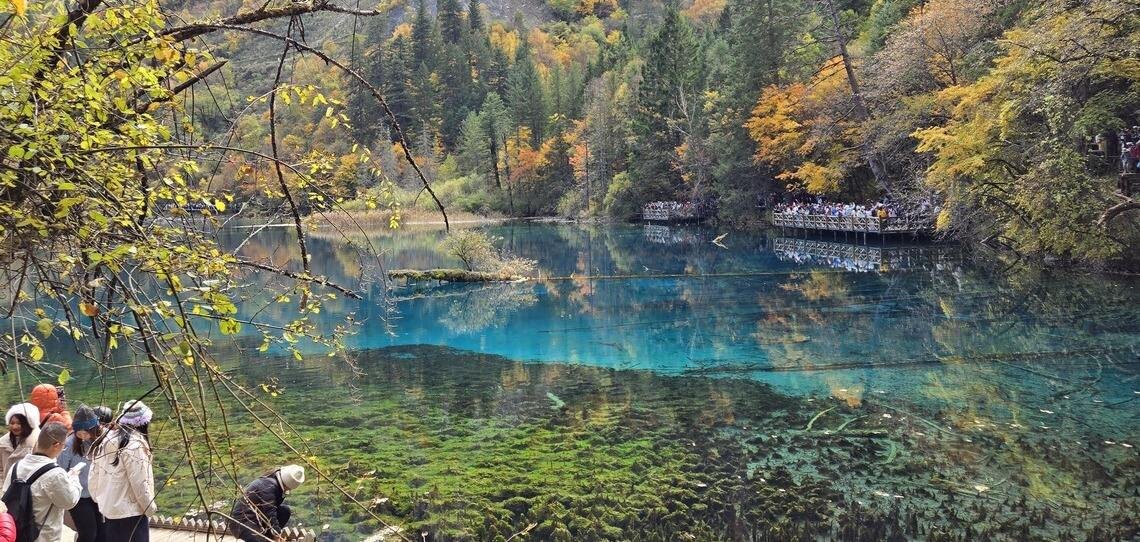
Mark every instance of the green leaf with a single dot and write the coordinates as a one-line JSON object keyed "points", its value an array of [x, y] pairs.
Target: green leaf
{"points": [[44, 326], [229, 326], [64, 377]]}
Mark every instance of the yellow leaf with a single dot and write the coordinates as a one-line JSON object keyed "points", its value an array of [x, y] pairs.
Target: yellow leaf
{"points": [[21, 7], [37, 353]]}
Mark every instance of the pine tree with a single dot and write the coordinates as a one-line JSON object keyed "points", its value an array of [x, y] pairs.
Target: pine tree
{"points": [[450, 21], [669, 80], [473, 155], [400, 74], [370, 121], [525, 96], [423, 39], [496, 123], [475, 18]]}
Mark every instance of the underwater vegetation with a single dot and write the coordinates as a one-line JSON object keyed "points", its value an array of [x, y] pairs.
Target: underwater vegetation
{"points": [[453, 445]]}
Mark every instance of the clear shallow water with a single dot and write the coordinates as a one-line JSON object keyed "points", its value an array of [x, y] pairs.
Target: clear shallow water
{"points": [[777, 310], [905, 383]]}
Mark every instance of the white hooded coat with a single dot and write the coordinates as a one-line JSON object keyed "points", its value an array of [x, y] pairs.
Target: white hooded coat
{"points": [[9, 454]]}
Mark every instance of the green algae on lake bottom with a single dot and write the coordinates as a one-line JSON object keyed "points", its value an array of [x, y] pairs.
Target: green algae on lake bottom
{"points": [[463, 446]]}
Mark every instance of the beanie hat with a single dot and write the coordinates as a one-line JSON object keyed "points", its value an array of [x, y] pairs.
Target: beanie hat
{"points": [[85, 419], [135, 414], [104, 414], [28, 410], [291, 476], [45, 397]]}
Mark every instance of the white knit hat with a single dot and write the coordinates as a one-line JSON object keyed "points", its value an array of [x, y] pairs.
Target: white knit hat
{"points": [[291, 476], [135, 414], [30, 412]]}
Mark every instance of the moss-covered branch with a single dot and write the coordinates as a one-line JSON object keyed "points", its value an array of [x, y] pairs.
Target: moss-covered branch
{"points": [[451, 275]]}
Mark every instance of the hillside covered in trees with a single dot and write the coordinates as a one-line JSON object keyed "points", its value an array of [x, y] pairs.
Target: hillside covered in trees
{"points": [[595, 107]]}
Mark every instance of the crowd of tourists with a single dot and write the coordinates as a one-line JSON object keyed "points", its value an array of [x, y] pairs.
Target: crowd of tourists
{"points": [[1130, 149], [672, 209], [93, 471], [849, 210]]}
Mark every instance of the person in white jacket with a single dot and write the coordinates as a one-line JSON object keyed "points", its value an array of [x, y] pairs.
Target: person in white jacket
{"points": [[121, 480], [23, 422], [56, 490]]}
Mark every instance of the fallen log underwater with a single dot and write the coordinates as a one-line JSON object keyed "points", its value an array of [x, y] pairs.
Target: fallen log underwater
{"points": [[451, 275]]}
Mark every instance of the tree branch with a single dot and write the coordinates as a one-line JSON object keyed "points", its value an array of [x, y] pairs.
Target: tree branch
{"points": [[305, 277], [375, 93], [1116, 210]]}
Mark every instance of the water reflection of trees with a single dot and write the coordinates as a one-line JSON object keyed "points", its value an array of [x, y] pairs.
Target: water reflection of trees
{"points": [[477, 310]]}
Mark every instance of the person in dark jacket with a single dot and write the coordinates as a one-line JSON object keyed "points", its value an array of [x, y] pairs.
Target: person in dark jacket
{"points": [[261, 513], [85, 517]]}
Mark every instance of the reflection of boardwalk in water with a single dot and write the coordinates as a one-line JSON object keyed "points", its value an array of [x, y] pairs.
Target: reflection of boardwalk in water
{"points": [[664, 235], [859, 257]]}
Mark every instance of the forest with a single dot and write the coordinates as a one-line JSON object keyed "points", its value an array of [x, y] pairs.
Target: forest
{"points": [[593, 108]]}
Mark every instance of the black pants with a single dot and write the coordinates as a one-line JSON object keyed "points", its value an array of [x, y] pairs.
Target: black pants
{"points": [[245, 534], [88, 521], [132, 529]]}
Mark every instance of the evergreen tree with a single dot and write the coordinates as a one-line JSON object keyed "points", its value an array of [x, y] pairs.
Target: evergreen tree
{"points": [[669, 81], [496, 124], [457, 90], [369, 120], [473, 155], [423, 39], [475, 18], [525, 95], [400, 74], [450, 21]]}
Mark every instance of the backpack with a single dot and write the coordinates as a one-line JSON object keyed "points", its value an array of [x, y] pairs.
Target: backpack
{"points": [[18, 499]]}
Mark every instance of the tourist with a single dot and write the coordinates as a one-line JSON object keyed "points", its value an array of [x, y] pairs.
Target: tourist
{"points": [[106, 416], [52, 405], [122, 476], [23, 428], [260, 513], [7, 525], [85, 516], [53, 489]]}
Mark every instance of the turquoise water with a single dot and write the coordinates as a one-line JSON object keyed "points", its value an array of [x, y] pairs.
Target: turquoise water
{"points": [[650, 382], [669, 301]]}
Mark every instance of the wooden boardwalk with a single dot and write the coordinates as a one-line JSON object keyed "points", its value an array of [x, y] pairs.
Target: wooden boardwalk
{"points": [[854, 224]]}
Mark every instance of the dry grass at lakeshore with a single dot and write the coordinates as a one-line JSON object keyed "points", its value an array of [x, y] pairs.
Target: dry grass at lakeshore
{"points": [[407, 217]]}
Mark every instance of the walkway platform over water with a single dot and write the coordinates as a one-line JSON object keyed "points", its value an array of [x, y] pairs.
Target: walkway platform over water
{"points": [[854, 224]]}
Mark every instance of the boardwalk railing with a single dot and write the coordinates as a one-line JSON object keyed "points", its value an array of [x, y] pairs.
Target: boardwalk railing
{"points": [[857, 224], [219, 528], [672, 211]]}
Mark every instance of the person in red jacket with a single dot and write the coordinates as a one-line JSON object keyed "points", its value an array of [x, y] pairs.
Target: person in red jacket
{"points": [[7, 525], [53, 408]]}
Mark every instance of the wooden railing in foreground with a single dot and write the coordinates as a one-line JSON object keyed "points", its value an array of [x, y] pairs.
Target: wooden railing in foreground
{"points": [[219, 528]]}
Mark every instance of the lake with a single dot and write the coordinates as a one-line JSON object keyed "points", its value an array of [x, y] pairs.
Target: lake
{"points": [[651, 385]]}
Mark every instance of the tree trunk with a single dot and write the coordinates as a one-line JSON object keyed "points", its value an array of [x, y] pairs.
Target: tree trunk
{"points": [[861, 111], [494, 148]]}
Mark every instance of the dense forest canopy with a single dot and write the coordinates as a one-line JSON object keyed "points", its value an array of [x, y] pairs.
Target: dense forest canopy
{"points": [[597, 107]]}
